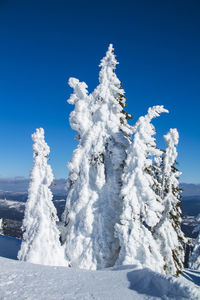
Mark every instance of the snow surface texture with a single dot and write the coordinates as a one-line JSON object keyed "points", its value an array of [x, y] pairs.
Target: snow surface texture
{"points": [[194, 261], [142, 208], [93, 204], [22, 280], [40, 243]]}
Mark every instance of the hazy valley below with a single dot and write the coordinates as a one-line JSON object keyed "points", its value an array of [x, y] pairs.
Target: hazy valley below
{"points": [[13, 196]]}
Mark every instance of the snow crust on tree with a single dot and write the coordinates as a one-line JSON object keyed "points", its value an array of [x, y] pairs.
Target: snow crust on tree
{"points": [[142, 207], [80, 118], [93, 203], [40, 243], [168, 231], [194, 260]]}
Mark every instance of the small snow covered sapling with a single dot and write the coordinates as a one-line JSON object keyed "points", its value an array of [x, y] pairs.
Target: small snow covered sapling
{"points": [[168, 230], [41, 243], [194, 260], [141, 206], [2, 224], [1, 227]]}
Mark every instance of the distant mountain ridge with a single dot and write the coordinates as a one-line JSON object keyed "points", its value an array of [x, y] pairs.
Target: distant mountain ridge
{"points": [[190, 189], [20, 184]]}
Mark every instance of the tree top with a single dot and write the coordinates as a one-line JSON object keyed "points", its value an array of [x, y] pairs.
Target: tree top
{"points": [[109, 60], [40, 147]]}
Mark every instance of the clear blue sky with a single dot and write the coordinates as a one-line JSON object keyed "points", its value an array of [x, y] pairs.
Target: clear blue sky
{"points": [[43, 43]]}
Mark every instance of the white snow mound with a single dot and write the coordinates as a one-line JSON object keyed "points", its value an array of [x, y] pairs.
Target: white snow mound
{"points": [[23, 280]]}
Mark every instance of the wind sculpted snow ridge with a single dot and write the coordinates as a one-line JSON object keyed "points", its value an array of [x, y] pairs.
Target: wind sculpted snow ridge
{"points": [[22, 280]]}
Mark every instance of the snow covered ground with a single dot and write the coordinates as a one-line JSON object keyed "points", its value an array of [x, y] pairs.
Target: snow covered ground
{"points": [[9, 247], [20, 280]]}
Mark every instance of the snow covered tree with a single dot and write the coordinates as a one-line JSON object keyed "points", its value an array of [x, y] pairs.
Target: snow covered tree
{"points": [[168, 231], [194, 260], [41, 243], [2, 226], [93, 203], [142, 207], [78, 214]]}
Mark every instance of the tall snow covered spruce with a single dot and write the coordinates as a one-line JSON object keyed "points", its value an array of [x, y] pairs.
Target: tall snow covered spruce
{"points": [[142, 207], [168, 231], [41, 243], [93, 204]]}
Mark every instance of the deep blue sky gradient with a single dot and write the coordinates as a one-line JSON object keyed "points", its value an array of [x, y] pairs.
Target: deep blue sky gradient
{"points": [[43, 43]]}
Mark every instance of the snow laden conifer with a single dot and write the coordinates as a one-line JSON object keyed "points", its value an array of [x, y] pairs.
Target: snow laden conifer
{"points": [[168, 231], [142, 207], [78, 215], [40, 243], [93, 204], [194, 260]]}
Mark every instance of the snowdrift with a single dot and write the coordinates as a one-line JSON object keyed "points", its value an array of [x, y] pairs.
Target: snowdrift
{"points": [[21, 280]]}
